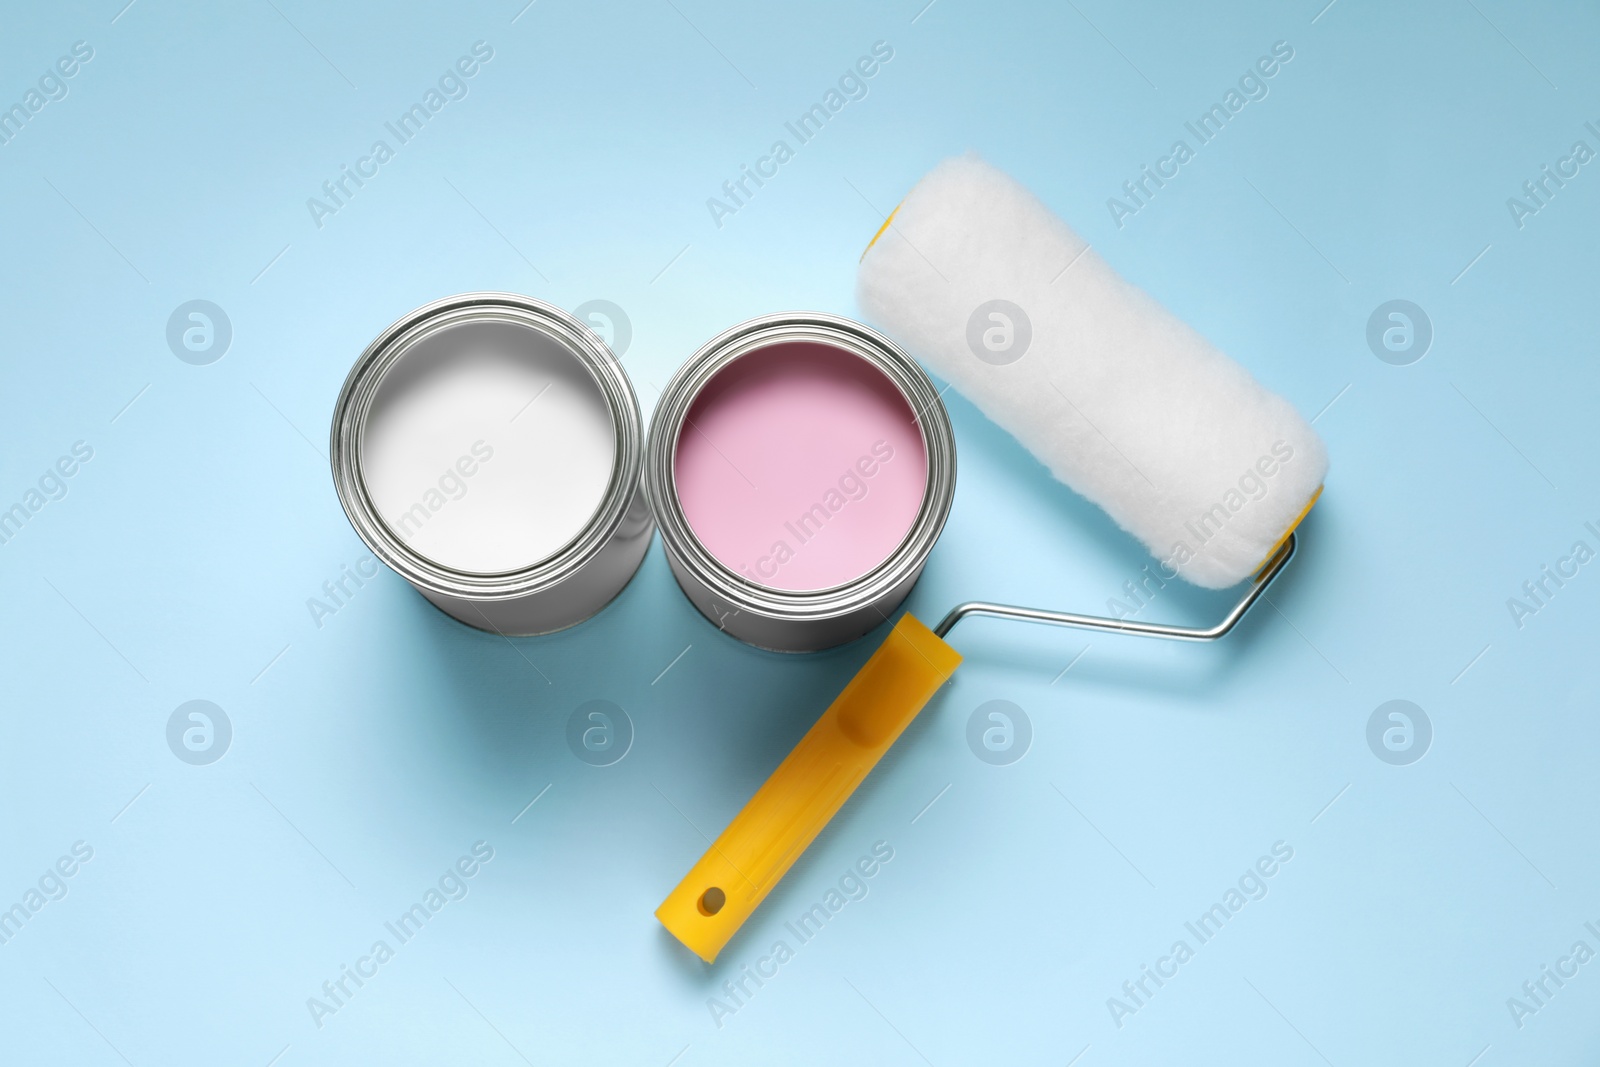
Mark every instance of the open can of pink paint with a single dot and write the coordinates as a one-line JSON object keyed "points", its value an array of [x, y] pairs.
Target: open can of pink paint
{"points": [[801, 468]]}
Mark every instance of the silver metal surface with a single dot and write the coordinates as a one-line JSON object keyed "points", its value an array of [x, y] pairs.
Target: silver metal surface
{"points": [[1139, 629], [550, 594], [779, 619]]}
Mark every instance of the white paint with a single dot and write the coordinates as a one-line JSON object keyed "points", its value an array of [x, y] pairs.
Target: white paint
{"points": [[488, 447]]}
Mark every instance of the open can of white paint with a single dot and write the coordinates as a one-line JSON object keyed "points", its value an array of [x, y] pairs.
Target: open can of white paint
{"points": [[488, 448]]}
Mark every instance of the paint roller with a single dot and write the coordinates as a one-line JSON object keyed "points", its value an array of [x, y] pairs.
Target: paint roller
{"points": [[1121, 400]]}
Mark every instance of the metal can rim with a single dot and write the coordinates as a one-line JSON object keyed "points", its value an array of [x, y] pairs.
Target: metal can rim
{"points": [[351, 411], [933, 422]]}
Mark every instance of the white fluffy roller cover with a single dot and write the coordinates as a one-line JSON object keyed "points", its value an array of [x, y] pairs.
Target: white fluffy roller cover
{"points": [[1121, 400]]}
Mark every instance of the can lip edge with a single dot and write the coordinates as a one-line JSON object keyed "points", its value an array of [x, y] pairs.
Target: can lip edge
{"points": [[348, 423], [801, 606]]}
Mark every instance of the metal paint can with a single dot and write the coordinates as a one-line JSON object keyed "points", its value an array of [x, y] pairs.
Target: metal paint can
{"points": [[732, 593], [488, 448]]}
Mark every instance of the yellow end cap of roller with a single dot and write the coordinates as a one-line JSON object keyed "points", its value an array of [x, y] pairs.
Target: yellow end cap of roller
{"points": [[879, 234], [1298, 519], [722, 890]]}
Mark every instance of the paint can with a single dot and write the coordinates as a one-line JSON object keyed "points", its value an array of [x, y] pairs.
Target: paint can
{"points": [[801, 468], [488, 448]]}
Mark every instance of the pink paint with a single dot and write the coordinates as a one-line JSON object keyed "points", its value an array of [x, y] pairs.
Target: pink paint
{"points": [[800, 466]]}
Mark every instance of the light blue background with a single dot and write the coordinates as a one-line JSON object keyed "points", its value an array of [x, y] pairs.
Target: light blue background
{"points": [[369, 753]]}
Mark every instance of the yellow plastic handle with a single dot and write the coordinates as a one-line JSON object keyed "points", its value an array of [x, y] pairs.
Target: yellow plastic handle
{"points": [[734, 876]]}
